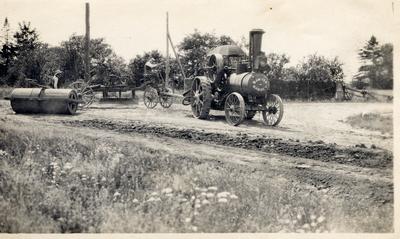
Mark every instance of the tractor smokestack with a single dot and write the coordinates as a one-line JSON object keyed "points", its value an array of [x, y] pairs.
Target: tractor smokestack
{"points": [[255, 45]]}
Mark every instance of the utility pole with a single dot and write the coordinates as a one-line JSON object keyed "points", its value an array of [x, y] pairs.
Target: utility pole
{"points": [[87, 45], [167, 69]]}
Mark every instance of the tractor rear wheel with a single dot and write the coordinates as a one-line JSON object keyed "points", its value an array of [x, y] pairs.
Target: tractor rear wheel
{"points": [[201, 101], [234, 109], [273, 115]]}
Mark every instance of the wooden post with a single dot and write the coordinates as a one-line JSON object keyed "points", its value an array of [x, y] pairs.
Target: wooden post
{"points": [[167, 69], [87, 45]]}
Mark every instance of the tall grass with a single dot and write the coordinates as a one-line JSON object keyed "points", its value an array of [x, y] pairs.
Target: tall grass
{"points": [[55, 180]]}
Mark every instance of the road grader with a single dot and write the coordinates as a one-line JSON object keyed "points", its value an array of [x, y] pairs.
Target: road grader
{"points": [[236, 84]]}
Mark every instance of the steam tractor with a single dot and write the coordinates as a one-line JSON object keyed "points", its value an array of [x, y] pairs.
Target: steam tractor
{"points": [[236, 84]]}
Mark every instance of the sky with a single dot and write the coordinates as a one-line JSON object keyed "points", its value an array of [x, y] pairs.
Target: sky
{"points": [[297, 28]]}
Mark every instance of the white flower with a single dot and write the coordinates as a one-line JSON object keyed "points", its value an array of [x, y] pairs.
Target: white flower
{"points": [[313, 217], [313, 224], [205, 202], [223, 194], [299, 216], [306, 226], [157, 199], [103, 179], [135, 201], [203, 189], [233, 196], [188, 219], [203, 194], [183, 200], [68, 166], [194, 228], [151, 199], [321, 219], [210, 195], [197, 201], [197, 205], [169, 194], [117, 194], [212, 188], [167, 190], [222, 200], [154, 194]]}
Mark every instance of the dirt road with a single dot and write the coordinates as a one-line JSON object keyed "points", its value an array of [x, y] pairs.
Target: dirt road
{"points": [[312, 145]]}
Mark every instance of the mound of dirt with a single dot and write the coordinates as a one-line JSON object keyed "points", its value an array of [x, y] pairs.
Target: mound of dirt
{"points": [[357, 156]]}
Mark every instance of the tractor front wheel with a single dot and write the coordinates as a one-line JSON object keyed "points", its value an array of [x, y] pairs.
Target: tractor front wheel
{"points": [[234, 109], [273, 115]]}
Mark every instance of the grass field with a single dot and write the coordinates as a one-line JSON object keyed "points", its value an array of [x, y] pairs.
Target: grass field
{"points": [[55, 180]]}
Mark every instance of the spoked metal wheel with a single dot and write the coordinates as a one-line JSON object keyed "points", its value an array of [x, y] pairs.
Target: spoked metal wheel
{"points": [[72, 106], [201, 100], [85, 93], [150, 97], [234, 109], [165, 101], [215, 66], [273, 115]]}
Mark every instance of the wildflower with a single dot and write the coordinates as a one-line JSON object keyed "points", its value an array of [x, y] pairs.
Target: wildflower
{"points": [[222, 200], [197, 205], [169, 194], [306, 226], [203, 189], [210, 195], [103, 179], [151, 199], [154, 194], [313, 217], [203, 194], [194, 228], [188, 219], [183, 200], [321, 219], [157, 199], [167, 190], [286, 221], [233, 196], [117, 194], [299, 216], [313, 224], [68, 166], [212, 189], [135, 201], [197, 189], [223, 194], [192, 198], [205, 202]]}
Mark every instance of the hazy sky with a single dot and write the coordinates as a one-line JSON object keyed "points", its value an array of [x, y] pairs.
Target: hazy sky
{"points": [[297, 28]]}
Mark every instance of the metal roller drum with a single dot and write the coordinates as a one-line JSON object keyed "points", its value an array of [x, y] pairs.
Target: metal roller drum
{"points": [[41, 100]]}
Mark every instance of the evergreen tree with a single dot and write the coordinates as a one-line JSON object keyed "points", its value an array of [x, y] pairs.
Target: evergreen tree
{"points": [[377, 65]]}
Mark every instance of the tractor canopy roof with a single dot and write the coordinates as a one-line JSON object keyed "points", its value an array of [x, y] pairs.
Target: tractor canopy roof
{"points": [[227, 50]]}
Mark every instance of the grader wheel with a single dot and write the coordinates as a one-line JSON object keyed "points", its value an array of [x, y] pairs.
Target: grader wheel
{"points": [[150, 97], [85, 93], [201, 101], [273, 115], [234, 109], [165, 101]]}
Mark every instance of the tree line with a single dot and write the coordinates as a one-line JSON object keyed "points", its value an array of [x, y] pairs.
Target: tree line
{"points": [[24, 56]]}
